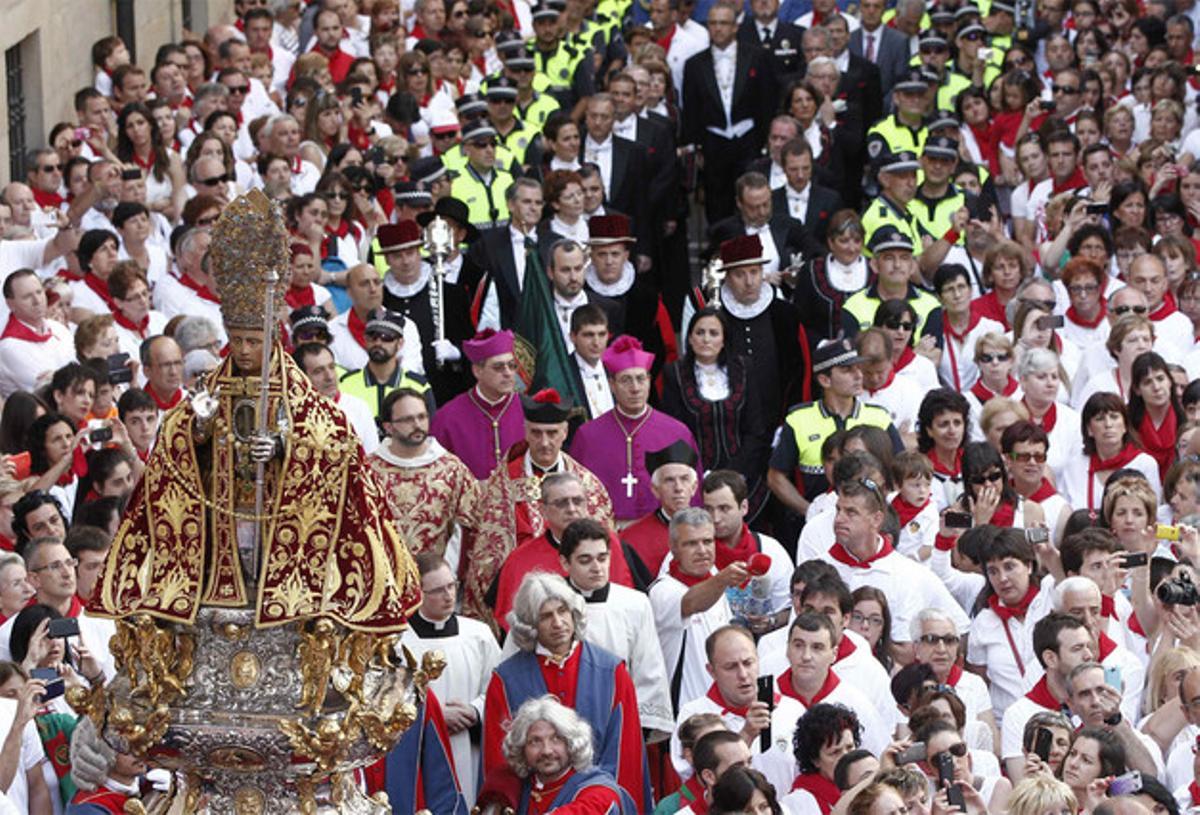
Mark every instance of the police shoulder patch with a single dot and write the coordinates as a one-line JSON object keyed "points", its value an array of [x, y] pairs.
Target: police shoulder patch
{"points": [[874, 147]]}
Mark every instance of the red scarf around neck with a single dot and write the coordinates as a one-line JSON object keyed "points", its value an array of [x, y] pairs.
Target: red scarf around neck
{"points": [[906, 356], [688, 580], [941, 469], [840, 554], [743, 548], [1049, 418], [714, 695], [1108, 607], [138, 328], [1159, 441], [819, 787], [300, 297], [1125, 455], [1075, 317], [906, 511], [788, 689], [1166, 309], [204, 292], [17, 330], [983, 393], [1041, 695], [358, 328], [1044, 491], [1003, 516], [100, 287], [1006, 613]]}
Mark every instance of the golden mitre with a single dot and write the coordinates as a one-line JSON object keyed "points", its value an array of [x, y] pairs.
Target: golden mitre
{"points": [[249, 249]]}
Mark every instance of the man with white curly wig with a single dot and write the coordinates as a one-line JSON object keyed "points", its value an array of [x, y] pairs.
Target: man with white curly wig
{"points": [[546, 623], [550, 747]]}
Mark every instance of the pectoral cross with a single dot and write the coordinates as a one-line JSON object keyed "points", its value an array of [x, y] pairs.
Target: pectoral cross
{"points": [[630, 481]]}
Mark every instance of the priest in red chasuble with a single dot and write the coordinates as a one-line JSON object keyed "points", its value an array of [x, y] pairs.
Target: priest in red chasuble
{"points": [[508, 513], [323, 545]]}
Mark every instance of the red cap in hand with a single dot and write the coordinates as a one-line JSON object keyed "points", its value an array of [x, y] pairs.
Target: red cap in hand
{"points": [[759, 564]]}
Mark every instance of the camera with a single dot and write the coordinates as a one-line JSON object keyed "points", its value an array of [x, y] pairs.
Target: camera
{"points": [[1178, 591]]}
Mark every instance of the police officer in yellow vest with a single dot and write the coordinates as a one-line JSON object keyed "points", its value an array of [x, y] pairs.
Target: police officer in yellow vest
{"points": [[566, 65], [521, 139], [481, 184], [534, 105], [904, 130], [892, 268], [937, 200], [897, 174], [971, 68], [383, 374], [796, 475], [472, 107]]}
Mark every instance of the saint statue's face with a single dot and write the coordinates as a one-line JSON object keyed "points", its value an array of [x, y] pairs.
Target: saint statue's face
{"points": [[246, 348]]}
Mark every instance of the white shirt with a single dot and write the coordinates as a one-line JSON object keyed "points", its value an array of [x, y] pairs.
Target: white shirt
{"points": [[353, 357], [563, 309], [131, 341], [23, 362], [626, 128], [797, 201], [678, 634], [362, 419], [172, 298], [725, 68], [901, 399], [964, 353], [305, 179], [770, 251], [600, 154], [988, 645], [595, 386], [713, 382], [1073, 480]]}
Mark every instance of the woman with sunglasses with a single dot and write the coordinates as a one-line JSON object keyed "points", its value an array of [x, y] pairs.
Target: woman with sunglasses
{"points": [[994, 358], [1108, 446], [941, 737], [414, 74], [987, 494], [345, 237], [912, 359]]}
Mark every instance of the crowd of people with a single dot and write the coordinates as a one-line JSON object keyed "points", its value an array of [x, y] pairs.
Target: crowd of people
{"points": [[800, 415]]}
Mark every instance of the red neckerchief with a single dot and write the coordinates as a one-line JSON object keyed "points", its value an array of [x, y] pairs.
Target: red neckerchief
{"points": [[1194, 791], [788, 689], [1006, 613], [297, 165], [745, 546], [300, 297], [955, 675], [138, 328], [845, 648], [665, 42], [1135, 625], [983, 393], [941, 469], [989, 305], [158, 400], [691, 794], [7, 544], [1003, 516], [891, 377], [906, 356], [358, 329], [1048, 420], [1074, 182], [906, 511], [204, 291], [839, 553], [1159, 441], [1107, 646], [715, 696], [818, 17], [1040, 694], [1075, 317], [819, 787], [47, 199], [972, 321], [68, 275], [17, 330], [100, 287], [1108, 607], [145, 164], [1044, 491], [1096, 465], [688, 580], [358, 137], [1165, 309]]}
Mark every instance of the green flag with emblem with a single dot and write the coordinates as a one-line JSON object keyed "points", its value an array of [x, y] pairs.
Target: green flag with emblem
{"points": [[542, 357]]}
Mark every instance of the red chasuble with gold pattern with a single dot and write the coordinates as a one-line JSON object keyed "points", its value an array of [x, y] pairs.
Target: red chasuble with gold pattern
{"points": [[327, 550]]}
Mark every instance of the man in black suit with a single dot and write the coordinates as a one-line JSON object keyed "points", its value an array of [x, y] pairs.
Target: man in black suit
{"points": [[780, 40], [800, 198], [729, 94], [860, 78], [784, 128], [784, 240], [502, 252], [883, 45], [611, 274], [568, 273], [623, 165]]}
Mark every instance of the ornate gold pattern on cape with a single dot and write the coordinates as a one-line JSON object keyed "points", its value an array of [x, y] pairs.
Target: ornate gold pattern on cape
{"points": [[427, 501], [328, 549], [495, 532]]}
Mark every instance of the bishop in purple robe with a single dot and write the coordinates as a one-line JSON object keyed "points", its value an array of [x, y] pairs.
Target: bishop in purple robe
{"points": [[614, 444], [480, 425]]}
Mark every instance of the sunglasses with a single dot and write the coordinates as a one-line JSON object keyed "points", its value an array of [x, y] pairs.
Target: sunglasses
{"points": [[216, 179], [383, 336], [1083, 288], [958, 750], [481, 143], [993, 476], [987, 359], [900, 325], [1027, 458], [973, 36], [417, 71], [934, 49], [51, 168], [339, 196], [1123, 310], [948, 640], [1069, 90], [239, 89]]}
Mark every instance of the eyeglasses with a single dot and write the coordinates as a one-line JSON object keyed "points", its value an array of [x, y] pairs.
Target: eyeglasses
{"points": [[934, 49], [239, 89], [382, 336], [994, 475], [1044, 305], [900, 325], [1026, 458], [452, 134], [58, 566], [51, 168], [988, 359], [569, 501], [948, 640], [874, 620], [973, 36], [1123, 310], [210, 182], [958, 750], [459, 14], [417, 71], [1083, 288], [501, 367], [1069, 90]]}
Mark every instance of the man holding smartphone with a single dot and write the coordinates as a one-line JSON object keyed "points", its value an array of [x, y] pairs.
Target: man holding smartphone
{"points": [[1098, 704]]}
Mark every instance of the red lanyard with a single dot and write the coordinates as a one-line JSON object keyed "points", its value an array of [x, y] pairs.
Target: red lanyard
{"points": [[1013, 646]]}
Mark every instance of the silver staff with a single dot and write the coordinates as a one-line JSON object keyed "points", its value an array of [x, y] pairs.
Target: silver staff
{"points": [[439, 242], [711, 279], [271, 278]]}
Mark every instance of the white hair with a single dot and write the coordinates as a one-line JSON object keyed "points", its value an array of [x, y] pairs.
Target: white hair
{"points": [[1036, 361], [537, 588], [688, 516], [575, 731], [1076, 583], [929, 615]]}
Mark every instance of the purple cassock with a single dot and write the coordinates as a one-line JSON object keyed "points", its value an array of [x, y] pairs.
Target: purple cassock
{"points": [[601, 445], [477, 432]]}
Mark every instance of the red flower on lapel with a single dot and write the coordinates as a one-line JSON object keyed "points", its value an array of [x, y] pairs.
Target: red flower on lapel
{"points": [[753, 73], [822, 214]]}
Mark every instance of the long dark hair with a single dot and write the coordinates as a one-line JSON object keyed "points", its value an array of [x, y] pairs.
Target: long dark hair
{"points": [[162, 161], [35, 440], [1142, 367], [978, 458], [20, 410], [708, 311], [883, 649]]}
